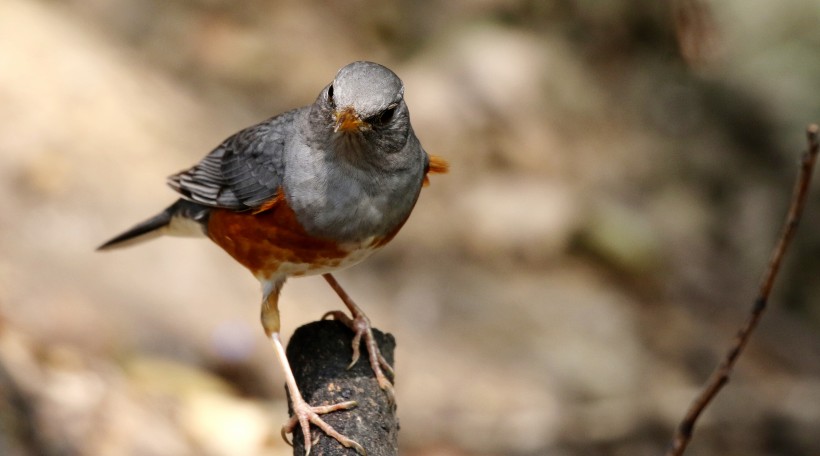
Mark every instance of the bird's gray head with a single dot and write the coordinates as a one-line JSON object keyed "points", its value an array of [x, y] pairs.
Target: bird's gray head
{"points": [[356, 167], [363, 110]]}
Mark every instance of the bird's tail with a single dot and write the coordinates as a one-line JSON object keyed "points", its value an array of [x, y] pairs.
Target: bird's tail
{"points": [[183, 218]]}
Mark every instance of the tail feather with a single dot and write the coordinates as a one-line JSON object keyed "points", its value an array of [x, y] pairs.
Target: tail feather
{"points": [[176, 219]]}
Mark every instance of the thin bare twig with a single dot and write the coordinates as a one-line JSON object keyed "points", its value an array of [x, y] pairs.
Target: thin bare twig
{"points": [[720, 376]]}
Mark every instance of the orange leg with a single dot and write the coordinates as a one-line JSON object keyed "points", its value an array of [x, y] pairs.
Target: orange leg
{"points": [[361, 327]]}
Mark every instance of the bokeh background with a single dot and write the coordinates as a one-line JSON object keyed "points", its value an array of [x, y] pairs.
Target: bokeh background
{"points": [[619, 174]]}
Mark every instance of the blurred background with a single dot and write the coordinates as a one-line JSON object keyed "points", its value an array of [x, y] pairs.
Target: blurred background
{"points": [[620, 171]]}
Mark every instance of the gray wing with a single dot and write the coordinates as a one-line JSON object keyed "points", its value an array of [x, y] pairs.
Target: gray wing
{"points": [[243, 172]]}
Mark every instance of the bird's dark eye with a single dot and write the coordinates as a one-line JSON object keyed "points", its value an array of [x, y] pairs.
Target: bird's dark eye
{"points": [[330, 93], [383, 117], [387, 115]]}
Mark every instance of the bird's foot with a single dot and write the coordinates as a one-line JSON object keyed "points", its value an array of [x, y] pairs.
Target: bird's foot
{"points": [[304, 414], [360, 325]]}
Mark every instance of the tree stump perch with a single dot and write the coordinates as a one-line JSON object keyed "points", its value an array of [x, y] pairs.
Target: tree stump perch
{"points": [[319, 354]]}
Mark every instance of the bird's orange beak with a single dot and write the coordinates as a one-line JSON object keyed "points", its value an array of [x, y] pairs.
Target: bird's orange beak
{"points": [[347, 121]]}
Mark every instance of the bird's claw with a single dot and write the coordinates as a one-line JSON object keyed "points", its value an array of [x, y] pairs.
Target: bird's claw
{"points": [[360, 325], [304, 415]]}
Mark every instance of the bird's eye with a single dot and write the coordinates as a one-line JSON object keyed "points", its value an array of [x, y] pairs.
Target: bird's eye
{"points": [[330, 93], [387, 115], [384, 116]]}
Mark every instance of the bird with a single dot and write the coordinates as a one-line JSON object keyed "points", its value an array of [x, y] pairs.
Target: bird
{"points": [[307, 192]]}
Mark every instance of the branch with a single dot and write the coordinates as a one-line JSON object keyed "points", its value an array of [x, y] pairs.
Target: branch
{"points": [[319, 353], [720, 376]]}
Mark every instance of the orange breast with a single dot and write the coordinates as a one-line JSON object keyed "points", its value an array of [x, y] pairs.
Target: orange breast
{"points": [[271, 241]]}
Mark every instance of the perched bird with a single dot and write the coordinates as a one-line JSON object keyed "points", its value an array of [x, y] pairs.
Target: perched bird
{"points": [[309, 191]]}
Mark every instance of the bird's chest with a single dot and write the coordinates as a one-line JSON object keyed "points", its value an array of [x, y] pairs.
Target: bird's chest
{"points": [[274, 243], [351, 205]]}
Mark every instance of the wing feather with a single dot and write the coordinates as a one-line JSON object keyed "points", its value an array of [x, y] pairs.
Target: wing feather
{"points": [[244, 172]]}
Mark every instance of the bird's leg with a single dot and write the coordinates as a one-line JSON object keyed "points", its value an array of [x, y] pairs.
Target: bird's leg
{"points": [[361, 327], [303, 413]]}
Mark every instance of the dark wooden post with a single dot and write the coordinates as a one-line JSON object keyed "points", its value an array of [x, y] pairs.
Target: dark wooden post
{"points": [[319, 354]]}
